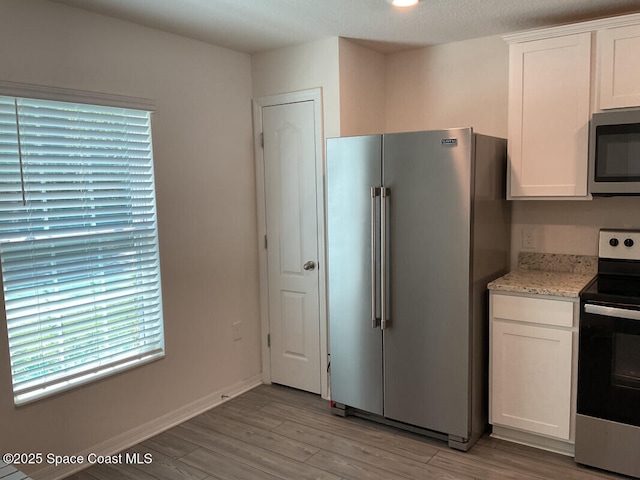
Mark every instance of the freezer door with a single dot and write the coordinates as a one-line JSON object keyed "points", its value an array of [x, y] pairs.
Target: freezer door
{"points": [[426, 344], [353, 168]]}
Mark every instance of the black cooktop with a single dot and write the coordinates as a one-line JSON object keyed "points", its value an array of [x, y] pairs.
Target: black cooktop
{"points": [[618, 289], [618, 279]]}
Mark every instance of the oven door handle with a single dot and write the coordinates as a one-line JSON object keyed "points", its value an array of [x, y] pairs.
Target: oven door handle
{"points": [[612, 311]]}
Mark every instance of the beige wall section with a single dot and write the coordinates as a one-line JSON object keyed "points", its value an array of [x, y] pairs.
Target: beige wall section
{"points": [[462, 84], [570, 226], [206, 212], [362, 90], [302, 67]]}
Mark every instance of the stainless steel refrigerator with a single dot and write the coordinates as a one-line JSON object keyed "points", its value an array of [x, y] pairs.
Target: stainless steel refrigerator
{"points": [[417, 225]]}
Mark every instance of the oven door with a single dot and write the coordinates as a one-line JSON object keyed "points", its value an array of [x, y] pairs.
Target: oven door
{"points": [[609, 362]]}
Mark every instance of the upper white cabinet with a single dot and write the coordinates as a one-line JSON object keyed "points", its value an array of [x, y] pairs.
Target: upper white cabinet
{"points": [[619, 50], [549, 111], [554, 74]]}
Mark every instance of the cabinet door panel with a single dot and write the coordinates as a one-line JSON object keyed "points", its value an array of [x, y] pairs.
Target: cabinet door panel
{"points": [[531, 378], [549, 109], [619, 67]]}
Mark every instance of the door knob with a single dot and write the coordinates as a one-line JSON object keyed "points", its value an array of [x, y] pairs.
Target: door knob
{"points": [[310, 265]]}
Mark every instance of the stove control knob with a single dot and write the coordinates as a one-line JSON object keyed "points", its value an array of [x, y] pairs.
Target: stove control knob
{"points": [[628, 242], [614, 242]]}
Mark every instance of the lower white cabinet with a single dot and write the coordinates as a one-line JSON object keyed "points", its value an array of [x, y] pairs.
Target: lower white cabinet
{"points": [[532, 368]]}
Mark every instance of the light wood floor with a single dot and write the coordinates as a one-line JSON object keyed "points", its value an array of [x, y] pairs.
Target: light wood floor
{"points": [[274, 432]]}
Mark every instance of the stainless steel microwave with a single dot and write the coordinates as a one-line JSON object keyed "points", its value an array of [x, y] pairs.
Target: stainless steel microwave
{"points": [[614, 153]]}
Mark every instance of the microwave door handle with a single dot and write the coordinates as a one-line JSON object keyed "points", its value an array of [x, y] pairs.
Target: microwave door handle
{"points": [[614, 312]]}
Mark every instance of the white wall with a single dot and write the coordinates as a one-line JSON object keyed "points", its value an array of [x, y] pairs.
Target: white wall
{"points": [[462, 84], [362, 90], [303, 67], [570, 226], [206, 213]]}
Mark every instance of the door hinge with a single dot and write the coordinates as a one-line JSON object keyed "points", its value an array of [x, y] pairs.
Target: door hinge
{"points": [[265, 242], [262, 139], [269, 340]]}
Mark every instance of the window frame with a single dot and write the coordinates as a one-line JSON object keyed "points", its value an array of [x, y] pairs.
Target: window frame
{"points": [[10, 89]]}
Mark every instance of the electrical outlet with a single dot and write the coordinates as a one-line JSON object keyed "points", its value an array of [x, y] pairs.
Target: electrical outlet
{"points": [[529, 238], [235, 328]]}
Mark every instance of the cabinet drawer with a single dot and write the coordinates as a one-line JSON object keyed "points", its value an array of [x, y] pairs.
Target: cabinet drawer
{"points": [[532, 310]]}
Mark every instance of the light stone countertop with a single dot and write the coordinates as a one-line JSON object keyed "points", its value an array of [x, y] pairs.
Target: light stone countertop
{"points": [[548, 274]]}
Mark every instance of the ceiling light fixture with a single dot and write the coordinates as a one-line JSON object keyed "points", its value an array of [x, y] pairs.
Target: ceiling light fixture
{"points": [[403, 3]]}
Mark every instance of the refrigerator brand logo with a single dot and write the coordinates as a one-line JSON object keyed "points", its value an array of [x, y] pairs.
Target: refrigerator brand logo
{"points": [[451, 142]]}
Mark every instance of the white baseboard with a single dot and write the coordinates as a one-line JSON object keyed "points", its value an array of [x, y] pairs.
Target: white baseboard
{"points": [[150, 429], [532, 440]]}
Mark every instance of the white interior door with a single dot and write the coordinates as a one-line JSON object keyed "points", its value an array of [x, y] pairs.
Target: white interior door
{"points": [[292, 244]]}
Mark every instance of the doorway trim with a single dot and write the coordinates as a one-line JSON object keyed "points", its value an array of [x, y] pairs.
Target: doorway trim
{"points": [[314, 95]]}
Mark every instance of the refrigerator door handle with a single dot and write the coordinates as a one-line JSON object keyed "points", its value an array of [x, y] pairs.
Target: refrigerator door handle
{"points": [[375, 321], [385, 321]]}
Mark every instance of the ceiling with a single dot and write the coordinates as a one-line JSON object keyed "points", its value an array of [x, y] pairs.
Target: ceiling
{"points": [[257, 25]]}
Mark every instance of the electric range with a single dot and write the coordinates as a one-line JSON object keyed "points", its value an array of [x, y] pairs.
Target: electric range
{"points": [[608, 419]]}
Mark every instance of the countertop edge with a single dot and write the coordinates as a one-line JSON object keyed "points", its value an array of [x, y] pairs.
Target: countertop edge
{"points": [[559, 284]]}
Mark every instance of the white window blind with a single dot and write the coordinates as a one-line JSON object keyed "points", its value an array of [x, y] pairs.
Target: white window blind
{"points": [[78, 243]]}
